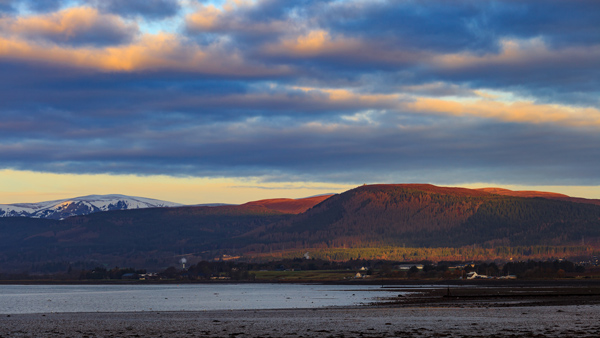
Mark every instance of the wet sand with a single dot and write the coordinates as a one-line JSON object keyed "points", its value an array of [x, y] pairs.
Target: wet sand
{"points": [[536, 321], [487, 312]]}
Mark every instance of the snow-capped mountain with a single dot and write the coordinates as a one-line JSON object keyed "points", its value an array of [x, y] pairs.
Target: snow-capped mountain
{"points": [[84, 205]]}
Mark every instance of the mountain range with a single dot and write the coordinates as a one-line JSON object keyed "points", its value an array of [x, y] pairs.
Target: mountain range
{"points": [[61, 209], [369, 221]]}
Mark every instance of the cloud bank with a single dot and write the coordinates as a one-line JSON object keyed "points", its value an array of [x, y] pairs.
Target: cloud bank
{"points": [[332, 91]]}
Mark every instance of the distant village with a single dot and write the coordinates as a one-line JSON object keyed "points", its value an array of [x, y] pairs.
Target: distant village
{"points": [[318, 270], [322, 270]]}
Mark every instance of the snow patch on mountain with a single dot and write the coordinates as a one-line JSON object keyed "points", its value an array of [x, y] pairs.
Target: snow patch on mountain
{"points": [[60, 209]]}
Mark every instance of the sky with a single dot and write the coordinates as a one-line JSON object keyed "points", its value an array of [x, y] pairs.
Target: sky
{"points": [[229, 101]]}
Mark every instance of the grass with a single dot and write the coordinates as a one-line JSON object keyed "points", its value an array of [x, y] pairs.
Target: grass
{"points": [[308, 275]]}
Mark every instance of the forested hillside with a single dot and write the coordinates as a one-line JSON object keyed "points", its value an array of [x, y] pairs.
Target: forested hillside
{"points": [[429, 216], [144, 237], [402, 221]]}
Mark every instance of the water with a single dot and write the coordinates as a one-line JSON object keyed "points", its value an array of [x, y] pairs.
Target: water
{"points": [[16, 299]]}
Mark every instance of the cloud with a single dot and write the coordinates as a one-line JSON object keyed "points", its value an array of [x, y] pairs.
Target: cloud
{"points": [[169, 124], [522, 55], [544, 54], [204, 19], [439, 88], [313, 43], [530, 67], [331, 91], [6, 6], [520, 112], [322, 151], [237, 18], [44, 5], [149, 52], [149, 9], [476, 26], [413, 25], [11, 6], [74, 26]]}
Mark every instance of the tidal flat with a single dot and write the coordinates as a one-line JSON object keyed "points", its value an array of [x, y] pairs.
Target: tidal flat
{"points": [[523, 311], [521, 321]]}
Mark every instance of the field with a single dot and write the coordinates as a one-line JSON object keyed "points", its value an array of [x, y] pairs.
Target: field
{"points": [[304, 276]]}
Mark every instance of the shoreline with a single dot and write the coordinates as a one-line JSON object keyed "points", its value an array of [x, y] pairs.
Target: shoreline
{"points": [[374, 322], [532, 310], [358, 282]]}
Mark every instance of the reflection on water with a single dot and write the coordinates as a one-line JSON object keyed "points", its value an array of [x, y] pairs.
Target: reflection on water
{"points": [[190, 297]]}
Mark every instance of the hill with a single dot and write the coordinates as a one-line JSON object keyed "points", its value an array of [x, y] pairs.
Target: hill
{"points": [[288, 205], [543, 194], [362, 222], [420, 215], [522, 193], [147, 237]]}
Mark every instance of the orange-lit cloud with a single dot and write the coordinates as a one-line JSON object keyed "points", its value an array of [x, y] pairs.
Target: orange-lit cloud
{"points": [[348, 50], [348, 96], [487, 107], [70, 25], [313, 43], [212, 19], [80, 36], [205, 18], [521, 111], [149, 52], [518, 52]]}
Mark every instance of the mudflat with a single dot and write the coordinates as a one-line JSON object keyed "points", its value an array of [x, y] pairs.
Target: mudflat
{"points": [[526, 321], [524, 311]]}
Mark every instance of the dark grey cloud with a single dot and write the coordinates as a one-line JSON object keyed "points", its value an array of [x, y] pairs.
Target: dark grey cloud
{"points": [[121, 96], [350, 153], [44, 5], [6, 6], [560, 23], [10, 6], [102, 33], [424, 26], [467, 25], [149, 9], [569, 76]]}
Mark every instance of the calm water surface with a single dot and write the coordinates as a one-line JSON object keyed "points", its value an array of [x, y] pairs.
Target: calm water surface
{"points": [[196, 297]]}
